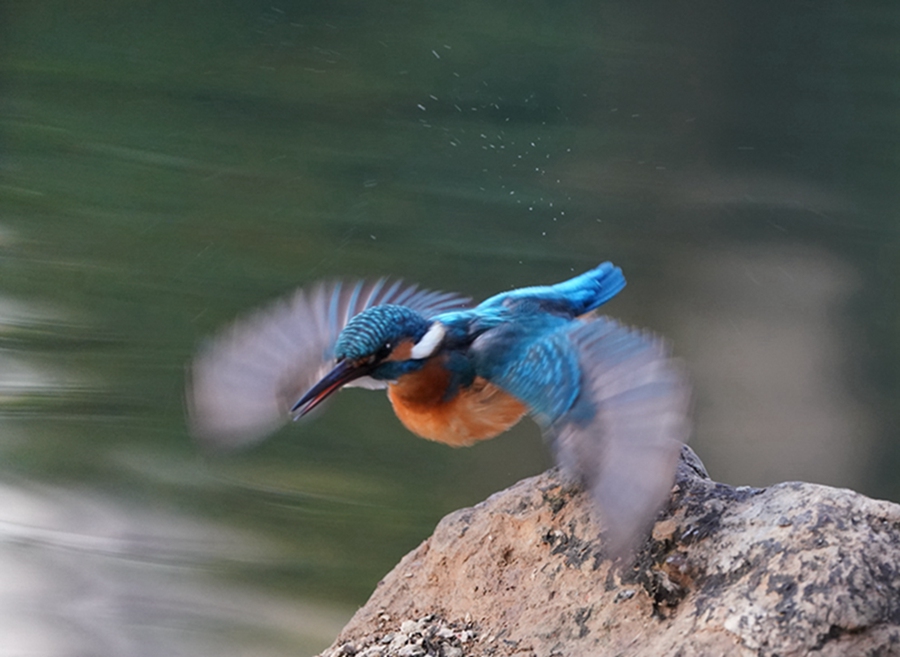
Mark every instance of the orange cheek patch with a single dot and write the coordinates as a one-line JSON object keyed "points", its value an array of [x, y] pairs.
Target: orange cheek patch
{"points": [[402, 351]]}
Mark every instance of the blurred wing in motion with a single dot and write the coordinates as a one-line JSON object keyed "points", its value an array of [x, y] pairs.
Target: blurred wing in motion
{"points": [[243, 382], [623, 435], [614, 407]]}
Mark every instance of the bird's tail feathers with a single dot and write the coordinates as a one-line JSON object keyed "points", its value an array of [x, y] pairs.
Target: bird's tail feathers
{"points": [[592, 289], [574, 297]]}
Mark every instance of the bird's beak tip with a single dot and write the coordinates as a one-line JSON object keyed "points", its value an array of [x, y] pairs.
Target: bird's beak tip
{"points": [[342, 373]]}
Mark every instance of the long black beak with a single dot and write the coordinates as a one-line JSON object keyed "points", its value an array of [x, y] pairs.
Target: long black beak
{"points": [[344, 372]]}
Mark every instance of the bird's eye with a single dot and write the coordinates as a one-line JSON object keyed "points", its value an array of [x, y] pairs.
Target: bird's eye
{"points": [[384, 352]]}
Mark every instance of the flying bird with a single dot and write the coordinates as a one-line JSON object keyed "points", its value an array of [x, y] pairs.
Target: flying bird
{"points": [[611, 401]]}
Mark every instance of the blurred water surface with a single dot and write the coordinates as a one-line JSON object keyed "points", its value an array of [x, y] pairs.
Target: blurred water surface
{"points": [[166, 166]]}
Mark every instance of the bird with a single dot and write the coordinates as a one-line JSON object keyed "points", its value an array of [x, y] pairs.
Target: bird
{"points": [[611, 400]]}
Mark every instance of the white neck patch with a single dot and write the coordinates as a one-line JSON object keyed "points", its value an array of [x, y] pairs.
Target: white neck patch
{"points": [[429, 342]]}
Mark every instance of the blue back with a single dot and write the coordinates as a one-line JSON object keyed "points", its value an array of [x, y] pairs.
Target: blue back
{"points": [[524, 346]]}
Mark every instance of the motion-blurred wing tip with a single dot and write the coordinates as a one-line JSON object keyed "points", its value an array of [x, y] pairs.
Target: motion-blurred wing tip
{"points": [[624, 436], [627, 516], [226, 410]]}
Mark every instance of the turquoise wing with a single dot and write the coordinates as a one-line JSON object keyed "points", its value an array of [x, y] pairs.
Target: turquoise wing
{"points": [[614, 407]]}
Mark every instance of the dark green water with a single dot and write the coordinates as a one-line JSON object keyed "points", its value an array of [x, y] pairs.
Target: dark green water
{"points": [[166, 166]]}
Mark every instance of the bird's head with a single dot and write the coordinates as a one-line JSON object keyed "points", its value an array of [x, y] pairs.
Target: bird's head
{"points": [[382, 342]]}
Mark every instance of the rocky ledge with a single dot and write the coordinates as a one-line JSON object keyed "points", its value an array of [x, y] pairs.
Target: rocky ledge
{"points": [[793, 569]]}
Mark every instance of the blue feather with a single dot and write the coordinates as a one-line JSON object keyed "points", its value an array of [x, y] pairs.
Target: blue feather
{"points": [[354, 297], [376, 327], [573, 297], [333, 325]]}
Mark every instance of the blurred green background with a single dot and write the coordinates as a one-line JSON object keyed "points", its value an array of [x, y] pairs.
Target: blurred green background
{"points": [[166, 166]]}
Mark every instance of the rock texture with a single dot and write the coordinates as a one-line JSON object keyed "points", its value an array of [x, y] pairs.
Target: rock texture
{"points": [[794, 569]]}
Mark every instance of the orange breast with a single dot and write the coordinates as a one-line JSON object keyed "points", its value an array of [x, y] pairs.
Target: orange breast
{"points": [[476, 413]]}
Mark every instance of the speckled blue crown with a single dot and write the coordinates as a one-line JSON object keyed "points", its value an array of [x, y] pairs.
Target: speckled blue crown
{"points": [[371, 329]]}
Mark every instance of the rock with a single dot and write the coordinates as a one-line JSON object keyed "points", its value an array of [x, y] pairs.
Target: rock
{"points": [[789, 570]]}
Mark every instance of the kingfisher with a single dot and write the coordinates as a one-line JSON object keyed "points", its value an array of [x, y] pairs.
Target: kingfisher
{"points": [[611, 400]]}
